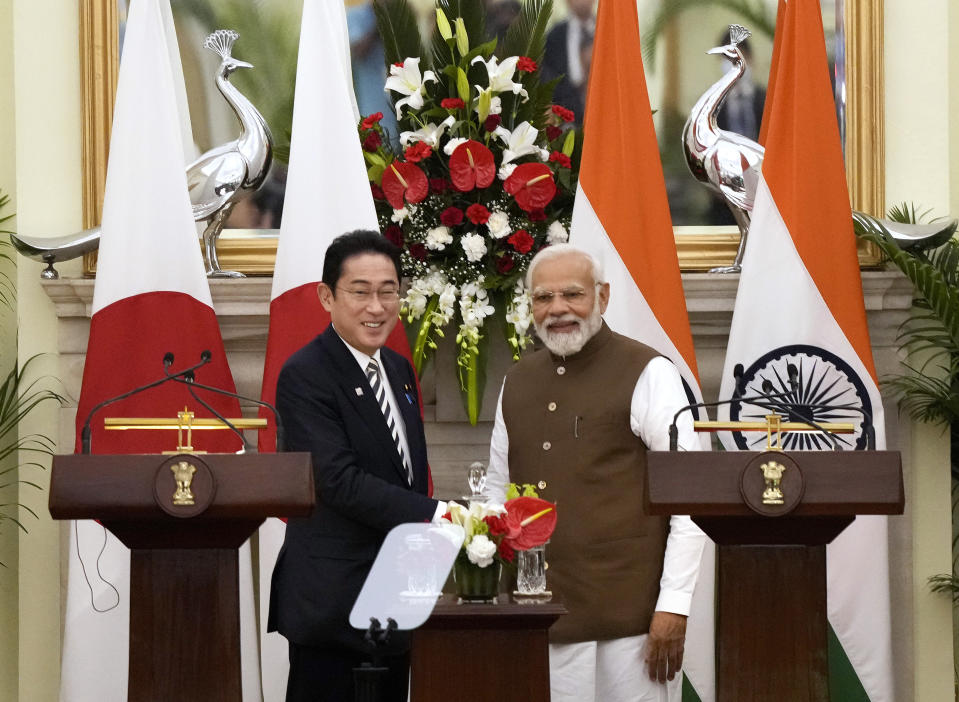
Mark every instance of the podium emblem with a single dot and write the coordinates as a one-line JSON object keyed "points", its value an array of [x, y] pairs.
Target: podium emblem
{"points": [[183, 475], [773, 475]]}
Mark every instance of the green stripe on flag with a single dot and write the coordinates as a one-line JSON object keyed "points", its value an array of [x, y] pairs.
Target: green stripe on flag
{"points": [[844, 685], [689, 693]]}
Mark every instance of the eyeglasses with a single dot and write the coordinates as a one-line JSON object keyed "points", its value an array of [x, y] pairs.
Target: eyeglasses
{"points": [[387, 296], [571, 296]]}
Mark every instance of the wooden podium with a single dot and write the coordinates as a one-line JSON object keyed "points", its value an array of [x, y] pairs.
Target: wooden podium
{"points": [[183, 527], [771, 579], [488, 652]]}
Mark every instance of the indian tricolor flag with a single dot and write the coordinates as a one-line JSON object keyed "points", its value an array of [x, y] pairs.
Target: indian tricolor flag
{"points": [[799, 314], [621, 216], [327, 194], [151, 297]]}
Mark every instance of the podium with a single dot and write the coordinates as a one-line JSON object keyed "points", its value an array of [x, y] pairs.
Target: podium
{"points": [[183, 517], [493, 651], [771, 580]]}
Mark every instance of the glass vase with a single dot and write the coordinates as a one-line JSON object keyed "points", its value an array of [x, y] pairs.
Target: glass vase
{"points": [[531, 572], [475, 584]]}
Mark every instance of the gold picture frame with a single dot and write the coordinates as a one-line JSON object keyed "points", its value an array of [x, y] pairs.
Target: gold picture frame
{"points": [[699, 248]]}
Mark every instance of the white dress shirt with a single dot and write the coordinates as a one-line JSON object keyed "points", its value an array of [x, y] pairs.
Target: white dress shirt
{"points": [[656, 398]]}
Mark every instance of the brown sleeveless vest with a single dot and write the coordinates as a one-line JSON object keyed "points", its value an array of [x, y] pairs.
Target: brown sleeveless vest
{"points": [[568, 424]]}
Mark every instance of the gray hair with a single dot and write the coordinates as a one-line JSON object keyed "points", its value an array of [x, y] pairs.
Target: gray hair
{"points": [[559, 250]]}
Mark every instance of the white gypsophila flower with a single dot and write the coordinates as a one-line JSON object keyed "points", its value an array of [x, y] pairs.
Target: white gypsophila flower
{"points": [[498, 224], [506, 171], [452, 144], [481, 550], [399, 215], [556, 233], [438, 237], [474, 246]]}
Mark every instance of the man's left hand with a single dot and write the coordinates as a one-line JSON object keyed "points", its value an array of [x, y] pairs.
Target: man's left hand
{"points": [[664, 646]]}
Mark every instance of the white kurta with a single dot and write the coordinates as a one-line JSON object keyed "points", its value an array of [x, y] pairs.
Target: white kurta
{"points": [[610, 671]]}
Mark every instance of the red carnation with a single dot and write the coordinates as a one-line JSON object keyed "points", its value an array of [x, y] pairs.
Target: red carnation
{"points": [[394, 234], [526, 64], [452, 104], [537, 215], [404, 181], [472, 166], [398, 64], [418, 151], [448, 517], [552, 133], [505, 263], [532, 185], [506, 552], [563, 113], [492, 122], [451, 216], [477, 213], [561, 158], [438, 185], [372, 141], [496, 524], [418, 251], [521, 241], [377, 192], [371, 120]]}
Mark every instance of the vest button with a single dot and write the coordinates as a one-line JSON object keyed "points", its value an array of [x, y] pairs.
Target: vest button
{"points": [[560, 370], [547, 446], [551, 406]]}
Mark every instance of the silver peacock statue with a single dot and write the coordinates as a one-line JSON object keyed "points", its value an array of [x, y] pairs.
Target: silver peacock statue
{"points": [[724, 161], [729, 163], [217, 180]]}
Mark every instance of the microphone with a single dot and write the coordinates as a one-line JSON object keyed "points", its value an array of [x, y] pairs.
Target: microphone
{"points": [[188, 379], [793, 373], [280, 433], [85, 432]]}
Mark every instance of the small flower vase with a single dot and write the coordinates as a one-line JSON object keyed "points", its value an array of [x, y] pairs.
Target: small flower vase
{"points": [[475, 584], [531, 572]]}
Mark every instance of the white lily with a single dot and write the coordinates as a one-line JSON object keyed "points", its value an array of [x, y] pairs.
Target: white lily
{"points": [[430, 134], [452, 144], [501, 75], [520, 142], [407, 80]]}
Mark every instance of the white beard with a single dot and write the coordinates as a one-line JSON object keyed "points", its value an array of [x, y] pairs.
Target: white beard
{"points": [[567, 343]]}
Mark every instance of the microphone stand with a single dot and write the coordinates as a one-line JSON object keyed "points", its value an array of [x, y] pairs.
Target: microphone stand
{"points": [[188, 380]]}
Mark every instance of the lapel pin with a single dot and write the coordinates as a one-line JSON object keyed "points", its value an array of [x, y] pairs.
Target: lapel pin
{"points": [[359, 392], [408, 391]]}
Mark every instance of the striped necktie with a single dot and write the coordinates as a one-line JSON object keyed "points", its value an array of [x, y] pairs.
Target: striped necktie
{"points": [[373, 374]]}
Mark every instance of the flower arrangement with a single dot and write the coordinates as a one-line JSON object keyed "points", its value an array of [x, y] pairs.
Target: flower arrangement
{"points": [[480, 178], [495, 532]]}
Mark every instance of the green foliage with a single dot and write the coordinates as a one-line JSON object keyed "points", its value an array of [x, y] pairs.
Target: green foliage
{"points": [[526, 35], [7, 290], [396, 21], [751, 13]]}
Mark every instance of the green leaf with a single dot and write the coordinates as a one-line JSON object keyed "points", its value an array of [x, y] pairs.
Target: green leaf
{"points": [[526, 35], [397, 25]]}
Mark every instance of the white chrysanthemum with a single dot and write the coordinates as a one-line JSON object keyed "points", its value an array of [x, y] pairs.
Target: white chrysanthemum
{"points": [[557, 234], [481, 550], [474, 246], [438, 237], [399, 215], [506, 171], [498, 224]]}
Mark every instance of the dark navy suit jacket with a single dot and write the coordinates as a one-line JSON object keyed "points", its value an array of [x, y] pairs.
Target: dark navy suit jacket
{"points": [[361, 486]]}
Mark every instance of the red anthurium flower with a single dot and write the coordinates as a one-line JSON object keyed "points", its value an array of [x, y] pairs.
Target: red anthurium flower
{"points": [[452, 104], [451, 216], [477, 213], [563, 113], [536, 518], [394, 234], [371, 120], [372, 142], [404, 181], [532, 185], [418, 151], [521, 241], [561, 158], [526, 64], [472, 166]]}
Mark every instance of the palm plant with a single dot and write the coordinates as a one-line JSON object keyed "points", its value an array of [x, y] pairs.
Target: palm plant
{"points": [[18, 398], [929, 389]]}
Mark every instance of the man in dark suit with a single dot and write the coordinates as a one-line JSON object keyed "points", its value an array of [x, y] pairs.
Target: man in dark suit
{"points": [[569, 47], [352, 404]]}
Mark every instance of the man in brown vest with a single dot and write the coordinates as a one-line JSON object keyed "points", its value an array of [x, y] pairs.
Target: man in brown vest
{"points": [[580, 415]]}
